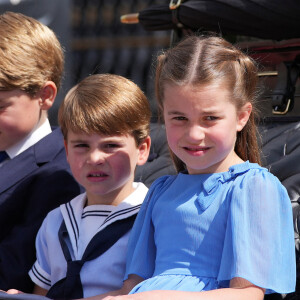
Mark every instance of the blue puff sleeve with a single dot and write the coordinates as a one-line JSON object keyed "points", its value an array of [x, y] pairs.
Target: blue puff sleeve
{"points": [[141, 246], [259, 241]]}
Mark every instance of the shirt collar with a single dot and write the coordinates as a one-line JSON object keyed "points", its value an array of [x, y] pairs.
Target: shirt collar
{"points": [[32, 138]]}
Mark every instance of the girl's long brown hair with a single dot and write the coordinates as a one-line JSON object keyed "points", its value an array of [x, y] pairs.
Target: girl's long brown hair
{"points": [[199, 61]]}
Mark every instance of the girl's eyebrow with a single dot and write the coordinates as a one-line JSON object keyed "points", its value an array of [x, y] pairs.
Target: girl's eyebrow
{"points": [[210, 112], [206, 112]]}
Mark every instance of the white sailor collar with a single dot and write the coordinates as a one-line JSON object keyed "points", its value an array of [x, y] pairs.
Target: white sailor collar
{"points": [[72, 212]]}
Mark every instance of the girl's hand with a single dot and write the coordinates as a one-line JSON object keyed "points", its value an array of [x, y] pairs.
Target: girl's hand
{"points": [[151, 295], [138, 296], [124, 297]]}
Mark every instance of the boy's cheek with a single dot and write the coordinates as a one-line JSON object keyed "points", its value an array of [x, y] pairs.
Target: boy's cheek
{"points": [[77, 173], [76, 163], [10, 134]]}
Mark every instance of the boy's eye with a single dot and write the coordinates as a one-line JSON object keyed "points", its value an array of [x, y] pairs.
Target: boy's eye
{"points": [[3, 106], [112, 145], [180, 118], [211, 118], [80, 145]]}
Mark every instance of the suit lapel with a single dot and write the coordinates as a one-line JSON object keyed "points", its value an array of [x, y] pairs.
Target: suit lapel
{"points": [[16, 169], [30, 160]]}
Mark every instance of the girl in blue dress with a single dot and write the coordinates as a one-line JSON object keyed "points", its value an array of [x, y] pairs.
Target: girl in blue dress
{"points": [[222, 228]]}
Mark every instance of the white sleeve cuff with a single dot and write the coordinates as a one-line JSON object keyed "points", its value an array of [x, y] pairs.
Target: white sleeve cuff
{"points": [[39, 276]]}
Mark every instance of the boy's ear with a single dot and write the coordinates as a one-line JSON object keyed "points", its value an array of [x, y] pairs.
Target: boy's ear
{"points": [[47, 95], [144, 149], [243, 116], [66, 146]]}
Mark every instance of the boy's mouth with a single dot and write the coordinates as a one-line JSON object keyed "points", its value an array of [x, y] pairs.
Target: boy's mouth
{"points": [[97, 175]]}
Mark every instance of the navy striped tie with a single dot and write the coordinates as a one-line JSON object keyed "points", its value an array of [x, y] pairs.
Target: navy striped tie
{"points": [[70, 287]]}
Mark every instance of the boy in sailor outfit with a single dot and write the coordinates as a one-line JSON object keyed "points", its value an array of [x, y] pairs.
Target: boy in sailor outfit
{"points": [[105, 122]]}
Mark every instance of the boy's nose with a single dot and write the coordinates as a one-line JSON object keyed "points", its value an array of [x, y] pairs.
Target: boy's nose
{"points": [[96, 157]]}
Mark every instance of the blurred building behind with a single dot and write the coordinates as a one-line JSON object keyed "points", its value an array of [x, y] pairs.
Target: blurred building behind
{"points": [[102, 44], [95, 40]]}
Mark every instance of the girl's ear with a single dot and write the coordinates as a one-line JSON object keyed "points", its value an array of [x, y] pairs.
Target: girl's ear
{"points": [[243, 116], [47, 95], [144, 149]]}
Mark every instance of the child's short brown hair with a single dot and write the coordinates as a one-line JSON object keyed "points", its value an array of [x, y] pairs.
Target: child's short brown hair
{"points": [[106, 104], [30, 54]]}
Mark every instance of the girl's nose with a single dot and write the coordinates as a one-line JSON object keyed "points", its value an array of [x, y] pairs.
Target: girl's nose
{"points": [[195, 133], [95, 157]]}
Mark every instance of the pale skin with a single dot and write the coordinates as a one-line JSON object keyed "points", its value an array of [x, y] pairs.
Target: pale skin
{"points": [[20, 113], [202, 129], [105, 165]]}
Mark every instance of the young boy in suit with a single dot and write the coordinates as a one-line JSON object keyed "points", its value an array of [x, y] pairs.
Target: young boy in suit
{"points": [[34, 174], [81, 246]]}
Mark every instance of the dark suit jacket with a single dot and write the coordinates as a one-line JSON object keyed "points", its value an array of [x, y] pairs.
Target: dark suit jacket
{"points": [[31, 184]]}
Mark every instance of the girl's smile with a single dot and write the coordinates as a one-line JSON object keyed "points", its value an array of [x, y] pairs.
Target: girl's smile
{"points": [[201, 126], [196, 151]]}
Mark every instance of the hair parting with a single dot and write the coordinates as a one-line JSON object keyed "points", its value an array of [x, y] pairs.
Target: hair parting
{"points": [[201, 61]]}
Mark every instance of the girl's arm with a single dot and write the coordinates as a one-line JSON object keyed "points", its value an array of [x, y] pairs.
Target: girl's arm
{"points": [[39, 290], [128, 285], [239, 289]]}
